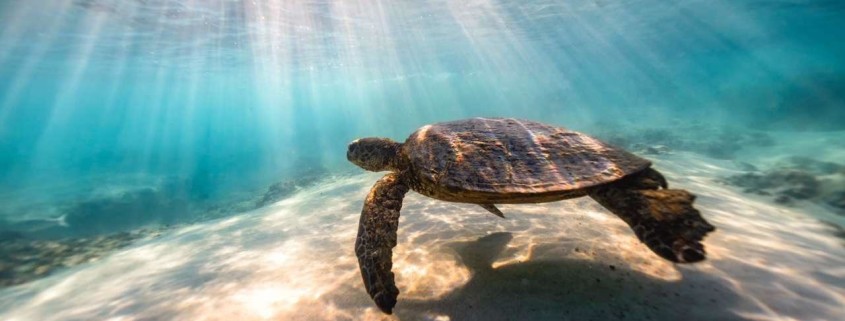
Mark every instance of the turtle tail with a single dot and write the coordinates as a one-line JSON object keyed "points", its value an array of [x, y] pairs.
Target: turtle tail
{"points": [[664, 219]]}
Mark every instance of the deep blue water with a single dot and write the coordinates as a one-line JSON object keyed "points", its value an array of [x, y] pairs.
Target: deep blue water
{"points": [[223, 95]]}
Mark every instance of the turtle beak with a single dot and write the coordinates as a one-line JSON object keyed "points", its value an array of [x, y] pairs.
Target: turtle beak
{"points": [[372, 153], [351, 151]]}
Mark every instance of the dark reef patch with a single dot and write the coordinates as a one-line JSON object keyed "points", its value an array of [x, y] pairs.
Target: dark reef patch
{"points": [[797, 178], [813, 166], [280, 190], [170, 201], [836, 230], [836, 200], [716, 141], [101, 223], [23, 260], [784, 185], [126, 211]]}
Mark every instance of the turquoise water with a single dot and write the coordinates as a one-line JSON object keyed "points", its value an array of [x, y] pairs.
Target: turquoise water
{"points": [[248, 89], [122, 115]]}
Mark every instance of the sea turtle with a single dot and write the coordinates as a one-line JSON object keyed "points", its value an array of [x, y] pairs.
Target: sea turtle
{"points": [[488, 161]]}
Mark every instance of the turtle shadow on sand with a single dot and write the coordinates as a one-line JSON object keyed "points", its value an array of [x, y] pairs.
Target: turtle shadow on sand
{"points": [[568, 289]]}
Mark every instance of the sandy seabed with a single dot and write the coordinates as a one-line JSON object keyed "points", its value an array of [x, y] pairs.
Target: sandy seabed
{"points": [[569, 260]]}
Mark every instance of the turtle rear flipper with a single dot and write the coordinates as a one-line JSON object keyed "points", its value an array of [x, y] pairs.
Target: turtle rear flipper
{"points": [[377, 238], [493, 209], [663, 219]]}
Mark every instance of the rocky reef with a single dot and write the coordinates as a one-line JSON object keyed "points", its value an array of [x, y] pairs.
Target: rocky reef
{"points": [[797, 179], [23, 259], [716, 141], [109, 208], [285, 188], [102, 222], [131, 209], [168, 201]]}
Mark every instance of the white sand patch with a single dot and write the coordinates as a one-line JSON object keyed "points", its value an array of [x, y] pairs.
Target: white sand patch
{"points": [[294, 261]]}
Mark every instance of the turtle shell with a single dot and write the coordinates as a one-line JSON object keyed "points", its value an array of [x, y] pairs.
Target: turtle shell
{"points": [[510, 156]]}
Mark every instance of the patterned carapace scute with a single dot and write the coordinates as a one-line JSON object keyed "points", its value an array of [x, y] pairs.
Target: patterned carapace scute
{"points": [[495, 155]]}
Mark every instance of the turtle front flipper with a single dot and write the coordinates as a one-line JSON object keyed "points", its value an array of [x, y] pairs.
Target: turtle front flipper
{"points": [[377, 238], [663, 219]]}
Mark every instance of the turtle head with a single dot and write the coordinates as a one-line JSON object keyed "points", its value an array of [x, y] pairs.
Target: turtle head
{"points": [[374, 154]]}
